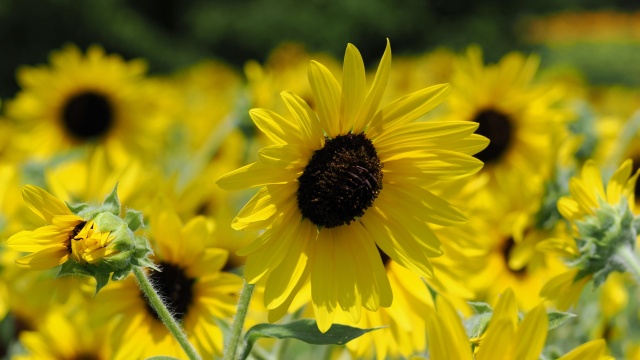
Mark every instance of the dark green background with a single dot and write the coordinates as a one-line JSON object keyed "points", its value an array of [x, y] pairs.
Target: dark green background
{"points": [[176, 33]]}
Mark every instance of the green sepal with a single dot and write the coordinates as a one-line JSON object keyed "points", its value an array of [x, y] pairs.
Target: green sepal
{"points": [[112, 202], [77, 208], [101, 280], [636, 224], [162, 357], [121, 273], [71, 267], [305, 330], [134, 219], [557, 318], [480, 307], [142, 252]]}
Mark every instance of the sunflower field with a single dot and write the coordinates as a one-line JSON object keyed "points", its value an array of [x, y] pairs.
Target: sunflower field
{"points": [[351, 180]]}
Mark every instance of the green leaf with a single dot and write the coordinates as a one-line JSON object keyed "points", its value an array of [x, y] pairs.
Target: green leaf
{"points": [[305, 330], [111, 202], [162, 358], [101, 280], [480, 307], [134, 220], [557, 318]]}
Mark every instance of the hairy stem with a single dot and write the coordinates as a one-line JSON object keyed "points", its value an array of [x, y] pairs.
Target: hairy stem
{"points": [[164, 314]]}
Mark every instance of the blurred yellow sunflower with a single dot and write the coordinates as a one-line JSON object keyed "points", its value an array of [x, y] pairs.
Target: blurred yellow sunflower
{"points": [[191, 280], [339, 181], [587, 192], [587, 195], [506, 337], [80, 99], [67, 335], [517, 116]]}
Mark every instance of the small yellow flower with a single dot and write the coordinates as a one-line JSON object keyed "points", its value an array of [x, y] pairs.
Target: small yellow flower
{"points": [[91, 244], [49, 245]]}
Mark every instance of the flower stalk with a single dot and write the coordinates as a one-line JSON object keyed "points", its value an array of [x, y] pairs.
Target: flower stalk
{"points": [[238, 321], [164, 314]]}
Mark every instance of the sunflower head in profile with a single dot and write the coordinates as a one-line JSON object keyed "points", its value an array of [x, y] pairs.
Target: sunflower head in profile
{"points": [[85, 98], [343, 179], [518, 116]]}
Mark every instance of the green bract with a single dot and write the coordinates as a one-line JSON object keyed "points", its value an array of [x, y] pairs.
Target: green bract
{"points": [[126, 250]]}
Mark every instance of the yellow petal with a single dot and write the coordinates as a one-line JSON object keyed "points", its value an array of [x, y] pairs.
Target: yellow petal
{"points": [[532, 334], [569, 208], [616, 184], [284, 157], [456, 337], [498, 343], [326, 91], [407, 109], [44, 259], [374, 96], [311, 132], [43, 204], [558, 246], [592, 350], [255, 174], [284, 278], [592, 179], [353, 88], [275, 127]]}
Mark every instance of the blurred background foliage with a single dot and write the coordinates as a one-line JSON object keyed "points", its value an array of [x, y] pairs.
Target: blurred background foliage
{"points": [[172, 34]]}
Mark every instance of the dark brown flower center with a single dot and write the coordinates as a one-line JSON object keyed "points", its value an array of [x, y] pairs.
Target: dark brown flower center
{"points": [[340, 182], [507, 247], [174, 287], [88, 115], [634, 168], [73, 234], [497, 127]]}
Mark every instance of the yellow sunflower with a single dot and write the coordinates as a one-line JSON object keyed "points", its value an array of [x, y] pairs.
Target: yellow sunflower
{"points": [[49, 245], [191, 281], [339, 181], [86, 98], [517, 116]]}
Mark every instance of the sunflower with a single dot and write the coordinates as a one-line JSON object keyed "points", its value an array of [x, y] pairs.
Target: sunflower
{"points": [[588, 202], [339, 181], [67, 335], [191, 280], [49, 245], [80, 99], [517, 116]]}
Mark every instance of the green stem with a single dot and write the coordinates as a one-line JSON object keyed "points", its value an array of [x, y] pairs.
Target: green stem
{"points": [[238, 321], [164, 314], [631, 261]]}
